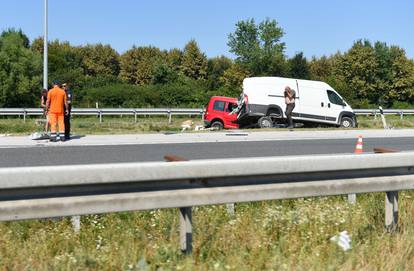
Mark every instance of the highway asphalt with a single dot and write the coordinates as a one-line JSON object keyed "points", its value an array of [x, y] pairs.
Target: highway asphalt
{"points": [[41, 155]]}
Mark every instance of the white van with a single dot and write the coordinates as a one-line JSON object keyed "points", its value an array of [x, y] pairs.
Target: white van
{"points": [[262, 103]]}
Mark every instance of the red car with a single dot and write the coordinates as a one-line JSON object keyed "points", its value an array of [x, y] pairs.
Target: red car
{"points": [[218, 113]]}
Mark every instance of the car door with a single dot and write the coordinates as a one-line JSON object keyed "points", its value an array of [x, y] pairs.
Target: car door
{"points": [[230, 119], [335, 106]]}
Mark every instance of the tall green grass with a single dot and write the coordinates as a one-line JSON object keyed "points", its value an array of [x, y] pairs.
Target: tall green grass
{"points": [[273, 235]]}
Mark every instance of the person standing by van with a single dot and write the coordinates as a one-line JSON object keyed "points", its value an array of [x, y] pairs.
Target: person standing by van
{"points": [[290, 96], [56, 100]]}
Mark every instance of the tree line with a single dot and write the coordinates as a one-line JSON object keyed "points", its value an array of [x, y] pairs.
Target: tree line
{"points": [[367, 75]]}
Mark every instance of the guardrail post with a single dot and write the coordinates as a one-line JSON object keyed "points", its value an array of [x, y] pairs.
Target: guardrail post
{"points": [[391, 200], [202, 116], [169, 116], [401, 115], [186, 230], [24, 115], [76, 223], [352, 198], [135, 116], [100, 116], [230, 209], [186, 217], [391, 211]]}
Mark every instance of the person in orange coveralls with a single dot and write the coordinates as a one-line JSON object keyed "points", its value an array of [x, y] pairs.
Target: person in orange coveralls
{"points": [[56, 100]]}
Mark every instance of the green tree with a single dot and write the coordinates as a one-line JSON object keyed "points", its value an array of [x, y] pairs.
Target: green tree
{"points": [[174, 58], [298, 66], [164, 73], [258, 47], [167, 69], [194, 62], [216, 68], [20, 71], [402, 77], [379, 74], [64, 61], [137, 65], [233, 77], [396, 73], [100, 60], [320, 69], [359, 69]]}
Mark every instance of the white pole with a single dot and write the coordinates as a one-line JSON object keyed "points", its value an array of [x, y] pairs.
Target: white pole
{"points": [[45, 41]]}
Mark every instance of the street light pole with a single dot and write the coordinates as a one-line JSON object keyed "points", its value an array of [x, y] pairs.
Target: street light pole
{"points": [[45, 41]]}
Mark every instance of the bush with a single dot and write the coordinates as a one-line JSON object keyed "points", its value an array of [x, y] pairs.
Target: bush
{"points": [[402, 105], [362, 104], [113, 95], [181, 93]]}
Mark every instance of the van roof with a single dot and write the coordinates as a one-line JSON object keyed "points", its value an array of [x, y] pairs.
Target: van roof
{"points": [[254, 81], [268, 79]]}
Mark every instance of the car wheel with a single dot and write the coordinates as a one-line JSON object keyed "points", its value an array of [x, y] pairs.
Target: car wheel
{"points": [[347, 122], [217, 125], [265, 122]]}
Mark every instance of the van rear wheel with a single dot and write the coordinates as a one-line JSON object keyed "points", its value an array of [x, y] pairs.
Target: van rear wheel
{"points": [[265, 122], [347, 122]]}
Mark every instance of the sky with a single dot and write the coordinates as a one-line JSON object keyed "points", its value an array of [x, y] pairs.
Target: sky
{"points": [[316, 28]]}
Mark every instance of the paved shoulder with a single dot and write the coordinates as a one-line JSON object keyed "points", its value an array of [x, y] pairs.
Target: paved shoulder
{"points": [[181, 138]]}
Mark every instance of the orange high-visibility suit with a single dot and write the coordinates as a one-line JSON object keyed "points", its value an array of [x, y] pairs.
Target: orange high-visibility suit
{"points": [[56, 99]]}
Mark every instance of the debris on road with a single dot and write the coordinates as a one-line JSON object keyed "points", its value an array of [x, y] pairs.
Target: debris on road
{"points": [[237, 134], [384, 150], [186, 125], [39, 136]]}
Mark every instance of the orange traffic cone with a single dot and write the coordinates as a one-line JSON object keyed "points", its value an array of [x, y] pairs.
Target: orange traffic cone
{"points": [[359, 145]]}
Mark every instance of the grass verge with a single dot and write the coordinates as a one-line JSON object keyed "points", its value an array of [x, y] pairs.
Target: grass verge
{"points": [[273, 235], [126, 125], [91, 125]]}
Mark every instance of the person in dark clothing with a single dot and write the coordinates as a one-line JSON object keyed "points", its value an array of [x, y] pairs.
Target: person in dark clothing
{"points": [[68, 92], [43, 99], [290, 96]]}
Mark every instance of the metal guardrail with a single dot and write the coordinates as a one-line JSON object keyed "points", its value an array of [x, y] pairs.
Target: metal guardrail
{"points": [[100, 112], [55, 191], [376, 112]]}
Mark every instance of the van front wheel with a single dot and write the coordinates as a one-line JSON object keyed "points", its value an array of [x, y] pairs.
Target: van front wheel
{"points": [[347, 122], [265, 122]]}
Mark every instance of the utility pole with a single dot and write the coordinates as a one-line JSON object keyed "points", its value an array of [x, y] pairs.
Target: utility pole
{"points": [[45, 41]]}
